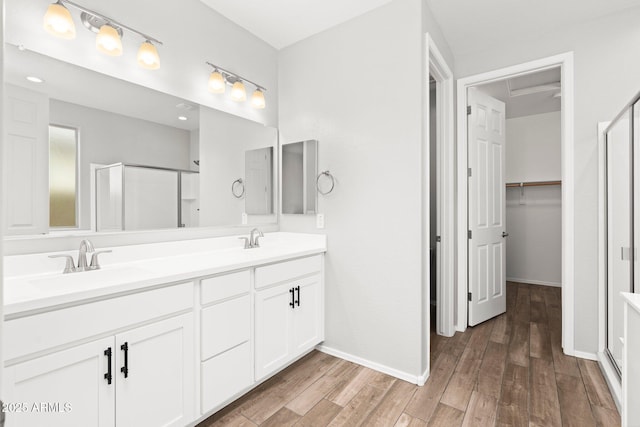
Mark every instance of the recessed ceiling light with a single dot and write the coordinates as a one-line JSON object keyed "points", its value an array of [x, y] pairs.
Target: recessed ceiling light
{"points": [[183, 118], [34, 79]]}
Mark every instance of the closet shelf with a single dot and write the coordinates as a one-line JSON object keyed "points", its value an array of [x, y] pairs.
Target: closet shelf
{"points": [[533, 183]]}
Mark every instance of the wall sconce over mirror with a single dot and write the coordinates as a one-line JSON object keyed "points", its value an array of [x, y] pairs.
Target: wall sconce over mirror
{"points": [[220, 78], [299, 171], [59, 22]]}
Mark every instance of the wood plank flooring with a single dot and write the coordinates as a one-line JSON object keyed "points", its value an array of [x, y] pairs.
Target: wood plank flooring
{"points": [[509, 371]]}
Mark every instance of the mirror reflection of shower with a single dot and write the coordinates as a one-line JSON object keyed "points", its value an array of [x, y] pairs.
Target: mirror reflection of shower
{"points": [[137, 197]]}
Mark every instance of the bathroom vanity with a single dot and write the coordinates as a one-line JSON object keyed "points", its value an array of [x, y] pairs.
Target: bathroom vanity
{"points": [[163, 334]]}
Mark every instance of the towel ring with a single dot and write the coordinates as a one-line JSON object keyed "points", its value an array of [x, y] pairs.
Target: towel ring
{"points": [[239, 183], [333, 182]]}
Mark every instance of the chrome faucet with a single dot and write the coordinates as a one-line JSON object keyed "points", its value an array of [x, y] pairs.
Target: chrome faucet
{"points": [[85, 246], [253, 239]]}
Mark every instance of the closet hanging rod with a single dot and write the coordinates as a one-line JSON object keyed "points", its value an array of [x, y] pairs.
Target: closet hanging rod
{"points": [[533, 183]]}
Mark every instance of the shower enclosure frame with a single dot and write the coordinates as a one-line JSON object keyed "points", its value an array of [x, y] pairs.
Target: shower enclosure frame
{"points": [[179, 173], [609, 365]]}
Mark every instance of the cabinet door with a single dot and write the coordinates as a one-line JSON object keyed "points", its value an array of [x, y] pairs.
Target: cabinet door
{"points": [[158, 389], [307, 327], [66, 388], [272, 331]]}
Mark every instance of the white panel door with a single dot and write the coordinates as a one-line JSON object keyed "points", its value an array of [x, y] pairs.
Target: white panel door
{"points": [[26, 161], [487, 272], [66, 388], [307, 314], [157, 387], [272, 331]]}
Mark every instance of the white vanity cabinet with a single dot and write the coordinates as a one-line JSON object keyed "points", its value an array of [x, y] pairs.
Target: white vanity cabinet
{"points": [[77, 374], [226, 359], [140, 376], [289, 312]]}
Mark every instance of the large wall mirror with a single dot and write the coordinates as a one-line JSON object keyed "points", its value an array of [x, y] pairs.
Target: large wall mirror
{"points": [[87, 149], [299, 172]]}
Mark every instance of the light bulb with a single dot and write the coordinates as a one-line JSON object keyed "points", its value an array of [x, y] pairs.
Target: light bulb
{"points": [[108, 41], [257, 99], [216, 82], [148, 56], [238, 92], [58, 21]]}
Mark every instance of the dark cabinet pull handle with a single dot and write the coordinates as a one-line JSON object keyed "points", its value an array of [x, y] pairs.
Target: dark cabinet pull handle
{"points": [[125, 369], [292, 304], [298, 300], [108, 375]]}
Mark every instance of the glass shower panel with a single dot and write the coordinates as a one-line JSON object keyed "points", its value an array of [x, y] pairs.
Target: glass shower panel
{"points": [[619, 267], [150, 198], [109, 198]]}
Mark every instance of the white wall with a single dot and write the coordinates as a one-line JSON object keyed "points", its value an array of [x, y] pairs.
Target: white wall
{"points": [[223, 141], [192, 33], [533, 148], [534, 214], [106, 138], [606, 78], [358, 89]]}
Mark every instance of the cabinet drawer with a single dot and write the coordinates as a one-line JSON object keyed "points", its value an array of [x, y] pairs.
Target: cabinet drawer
{"points": [[39, 332], [225, 375], [287, 270], [226, 286], [225, 325]]}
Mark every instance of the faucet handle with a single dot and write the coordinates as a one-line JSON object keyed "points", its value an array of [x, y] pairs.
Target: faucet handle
{"points": [[69, 266], [246, 242], [256, 243], [94, 259]]}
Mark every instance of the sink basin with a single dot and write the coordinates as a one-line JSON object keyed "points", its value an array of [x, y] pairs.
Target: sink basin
{"points": [[88, 279]]}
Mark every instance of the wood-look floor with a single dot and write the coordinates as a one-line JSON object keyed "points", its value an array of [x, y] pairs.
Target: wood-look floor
{"points": [[509, 371]]}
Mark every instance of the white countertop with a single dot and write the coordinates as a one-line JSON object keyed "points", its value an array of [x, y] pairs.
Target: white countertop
{"points": [[632, 299], [24, 293]]}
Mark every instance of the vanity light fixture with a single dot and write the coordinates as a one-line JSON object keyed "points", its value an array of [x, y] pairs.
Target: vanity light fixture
{"points": [[182, 118], [216, 82], [257, 99], [58, 21], [238, 92], [220, 78]]}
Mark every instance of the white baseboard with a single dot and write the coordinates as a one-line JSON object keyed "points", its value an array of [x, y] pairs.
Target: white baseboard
{"points": [[414, 379], [585, 355], [534, 282], [612, 379]]}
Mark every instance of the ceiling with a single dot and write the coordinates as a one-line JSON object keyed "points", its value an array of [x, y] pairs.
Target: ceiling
{"points": [[284, 22], [77, 85], [540, 101], [468, 25], [471, 25]]}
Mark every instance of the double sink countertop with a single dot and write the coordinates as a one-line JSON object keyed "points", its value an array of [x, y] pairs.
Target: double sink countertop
{"points": [[132, 268]]}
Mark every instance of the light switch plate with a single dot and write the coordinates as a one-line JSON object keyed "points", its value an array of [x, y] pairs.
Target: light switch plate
{"points": [[244, 218], [320, 220]]}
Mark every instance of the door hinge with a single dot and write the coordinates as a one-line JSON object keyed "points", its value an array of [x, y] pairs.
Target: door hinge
{"points": [[469, 296], [468, 109], [438, 239], [469, 173], [469, 234]]}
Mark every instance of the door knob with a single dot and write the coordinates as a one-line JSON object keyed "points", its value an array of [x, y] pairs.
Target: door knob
{"points": [[505, 234]]}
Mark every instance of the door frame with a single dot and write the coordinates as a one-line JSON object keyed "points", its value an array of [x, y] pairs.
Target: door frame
{"points": [[565, 62], [442, 74]]}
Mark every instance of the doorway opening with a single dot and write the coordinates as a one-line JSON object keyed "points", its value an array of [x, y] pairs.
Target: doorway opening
{"points": [[478, 259], [438, 203]]}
